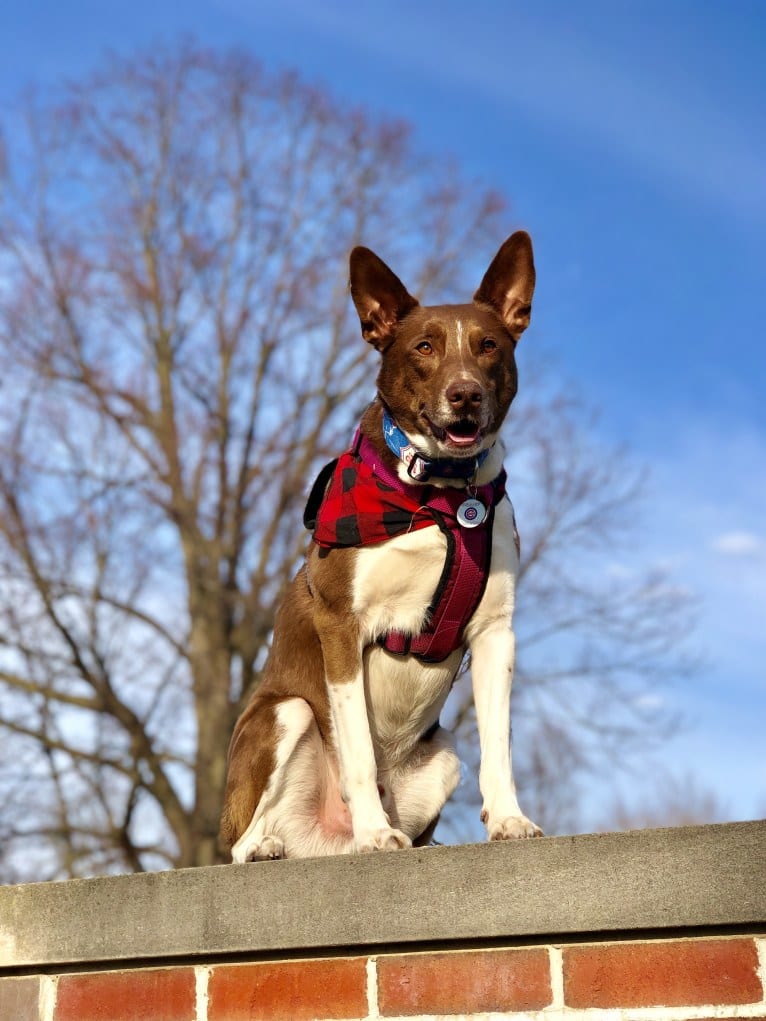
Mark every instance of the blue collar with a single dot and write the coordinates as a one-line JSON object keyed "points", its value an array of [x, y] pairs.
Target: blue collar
{"points": [[422, 468]]}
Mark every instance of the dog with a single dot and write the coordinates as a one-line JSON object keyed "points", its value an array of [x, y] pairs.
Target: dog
{"points": [[413, 563]]}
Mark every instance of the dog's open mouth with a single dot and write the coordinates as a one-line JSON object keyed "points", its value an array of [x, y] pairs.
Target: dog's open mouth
{"points": [[462, 433]]}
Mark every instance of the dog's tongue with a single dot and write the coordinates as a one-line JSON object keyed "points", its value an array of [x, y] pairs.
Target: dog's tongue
{"points": [[463, 438]]}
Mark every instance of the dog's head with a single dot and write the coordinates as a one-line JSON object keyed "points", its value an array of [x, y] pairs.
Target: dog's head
{"points": [[448, 372]]}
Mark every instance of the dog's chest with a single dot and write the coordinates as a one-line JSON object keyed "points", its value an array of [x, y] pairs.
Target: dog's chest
{"points": [[395, 581], [404, 698]]}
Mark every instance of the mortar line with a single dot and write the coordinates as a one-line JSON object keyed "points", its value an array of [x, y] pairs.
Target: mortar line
{"points": [[760, 948], [201, 977], [372, 988], [556, 964], [46, 1003]]}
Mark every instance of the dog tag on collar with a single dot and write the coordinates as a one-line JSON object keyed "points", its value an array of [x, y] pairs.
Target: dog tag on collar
{"points": [[471, 513]]}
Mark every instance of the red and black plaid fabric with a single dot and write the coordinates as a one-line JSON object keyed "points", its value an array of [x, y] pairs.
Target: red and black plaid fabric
{"points": [[359, 508]]}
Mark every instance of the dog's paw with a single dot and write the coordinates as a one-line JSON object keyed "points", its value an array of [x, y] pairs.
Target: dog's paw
{"points": [[515, 827], [268, 848], [382, 840]]}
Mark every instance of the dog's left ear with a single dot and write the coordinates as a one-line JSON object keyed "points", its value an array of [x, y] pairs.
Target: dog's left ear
{"points": [[509, 283], [380, 297]]}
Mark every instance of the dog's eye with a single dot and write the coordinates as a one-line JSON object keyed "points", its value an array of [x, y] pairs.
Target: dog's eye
{"points": [[488, 345], [424, 347]]}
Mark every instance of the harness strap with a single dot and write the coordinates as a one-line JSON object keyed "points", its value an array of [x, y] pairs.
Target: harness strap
{"points": [[459, 592]]}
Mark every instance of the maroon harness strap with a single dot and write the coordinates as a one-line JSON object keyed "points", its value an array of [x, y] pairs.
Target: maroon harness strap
{"points": [[459, 593], [466, 567]]}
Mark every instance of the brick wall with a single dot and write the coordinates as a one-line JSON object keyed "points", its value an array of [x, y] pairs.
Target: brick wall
{"points": [[333, 939], [675, 979]]}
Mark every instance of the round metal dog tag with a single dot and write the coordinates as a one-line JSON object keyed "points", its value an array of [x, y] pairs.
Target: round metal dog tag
{"points": [[471, 513]]}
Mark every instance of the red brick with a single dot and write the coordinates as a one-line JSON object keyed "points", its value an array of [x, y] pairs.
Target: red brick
{"points": [[667, 974], [144, 995], [289, 990], [464, 982], [19, 999]]}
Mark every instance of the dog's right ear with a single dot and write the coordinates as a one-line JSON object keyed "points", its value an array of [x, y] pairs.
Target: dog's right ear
{"points": [[381, 299], [509, 283]]}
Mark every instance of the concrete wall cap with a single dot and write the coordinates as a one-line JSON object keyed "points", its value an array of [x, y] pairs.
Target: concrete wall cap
{"points": [[691, 877]]}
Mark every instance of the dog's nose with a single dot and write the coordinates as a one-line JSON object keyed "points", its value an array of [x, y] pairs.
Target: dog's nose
{"points": [[464, 394]]}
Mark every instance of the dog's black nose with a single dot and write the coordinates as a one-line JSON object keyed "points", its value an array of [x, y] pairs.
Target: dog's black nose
{"points": [[464, 394]]}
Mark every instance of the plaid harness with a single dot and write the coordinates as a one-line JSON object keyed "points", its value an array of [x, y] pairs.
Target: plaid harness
{"points": [[356, 501]]}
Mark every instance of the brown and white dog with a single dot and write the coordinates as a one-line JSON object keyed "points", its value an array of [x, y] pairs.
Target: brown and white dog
{"points": [[340, 749]]}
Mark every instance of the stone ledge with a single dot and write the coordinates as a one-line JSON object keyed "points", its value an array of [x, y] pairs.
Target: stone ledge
{"points": [[701, 877]]}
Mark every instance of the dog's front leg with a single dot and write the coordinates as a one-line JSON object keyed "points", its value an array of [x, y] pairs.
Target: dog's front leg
{"points": [[331, 582], [358, 770], [492, 660], [356, 754]]}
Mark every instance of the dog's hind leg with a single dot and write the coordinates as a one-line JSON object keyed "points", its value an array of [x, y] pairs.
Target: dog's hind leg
{"points": [[415, 792], [261, 840]]}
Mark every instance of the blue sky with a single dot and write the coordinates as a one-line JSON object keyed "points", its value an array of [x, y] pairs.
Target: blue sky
{"points": [[630, 138]]}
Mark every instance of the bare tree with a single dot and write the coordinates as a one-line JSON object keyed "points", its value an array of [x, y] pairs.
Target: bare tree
{"points": [[178, 357]]}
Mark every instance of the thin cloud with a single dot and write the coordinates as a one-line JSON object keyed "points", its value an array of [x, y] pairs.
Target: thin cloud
{"points": [[738, 544]]}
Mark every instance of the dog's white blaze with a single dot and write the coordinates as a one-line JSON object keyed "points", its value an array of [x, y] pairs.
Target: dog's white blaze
{"points": [[463, 353]]}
